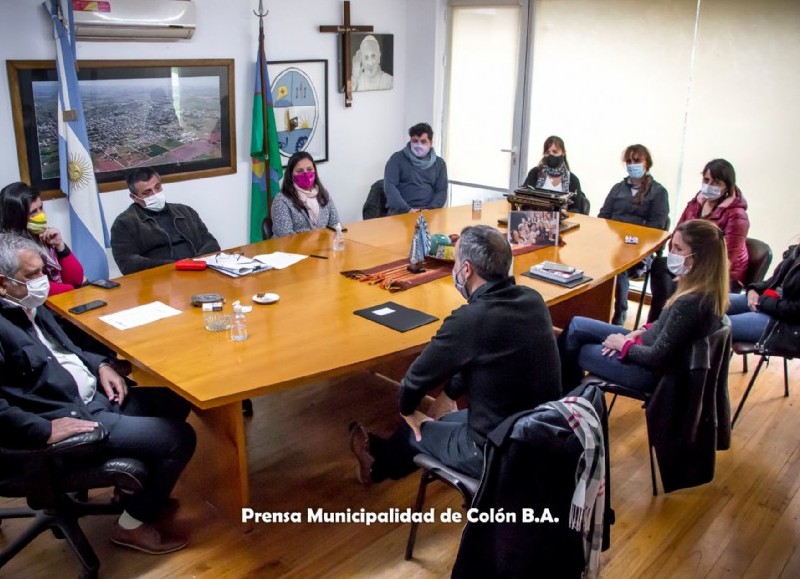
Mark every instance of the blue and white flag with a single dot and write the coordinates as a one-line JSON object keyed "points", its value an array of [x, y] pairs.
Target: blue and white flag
{"points": [[88, 231]]}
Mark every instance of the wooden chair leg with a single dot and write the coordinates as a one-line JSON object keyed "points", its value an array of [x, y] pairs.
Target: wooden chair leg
{"points": [[747, 391]]}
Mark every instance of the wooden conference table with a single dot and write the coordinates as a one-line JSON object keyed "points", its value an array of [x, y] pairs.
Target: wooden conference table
{"points": [[311, 333]]}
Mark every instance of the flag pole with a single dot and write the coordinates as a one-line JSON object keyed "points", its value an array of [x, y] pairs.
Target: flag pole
{"points": [[264, 88]]}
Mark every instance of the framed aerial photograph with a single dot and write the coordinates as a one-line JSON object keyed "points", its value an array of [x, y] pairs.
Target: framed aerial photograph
{"points": [[176, 116], [300, 103]]}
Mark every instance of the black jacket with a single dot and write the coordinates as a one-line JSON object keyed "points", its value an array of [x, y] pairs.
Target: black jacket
{"points": [[787, 277], [578, 204], [531, 460], [34, 387], [689, 414], [138, 242], [653, 211], [498, 349]]}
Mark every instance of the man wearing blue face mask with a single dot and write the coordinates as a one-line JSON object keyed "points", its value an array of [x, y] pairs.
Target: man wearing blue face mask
{"points": [[498, 349], [415, 178], [153, 232], [51, 390]]}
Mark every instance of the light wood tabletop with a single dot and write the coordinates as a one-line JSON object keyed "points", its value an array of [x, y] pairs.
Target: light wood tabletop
{"points": [[311, 333]]}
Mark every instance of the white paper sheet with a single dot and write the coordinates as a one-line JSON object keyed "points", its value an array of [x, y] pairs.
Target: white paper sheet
{"points": [[279, 259], [140, 315]]}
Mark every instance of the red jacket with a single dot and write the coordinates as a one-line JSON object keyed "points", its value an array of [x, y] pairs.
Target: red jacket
{"points": [[731, 217]]}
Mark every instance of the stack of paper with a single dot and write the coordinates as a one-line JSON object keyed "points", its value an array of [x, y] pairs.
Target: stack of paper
{"points": [[234, 265]]}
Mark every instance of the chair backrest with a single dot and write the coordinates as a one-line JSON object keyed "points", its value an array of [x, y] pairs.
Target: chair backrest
{"points": [[759, 256], [689, 413], [375, 205], [266, 228]]}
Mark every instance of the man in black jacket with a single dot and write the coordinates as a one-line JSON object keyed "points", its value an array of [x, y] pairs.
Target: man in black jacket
{"points": [[50, 390], [498, 349], [153, 232]]}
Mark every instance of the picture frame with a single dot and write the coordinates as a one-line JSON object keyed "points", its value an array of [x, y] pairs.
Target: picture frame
{"points": [[177, 116], [533, 228], [372, 69], [300, 103]]}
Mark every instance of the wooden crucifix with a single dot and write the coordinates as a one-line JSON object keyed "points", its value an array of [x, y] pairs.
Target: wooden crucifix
{"points": [[345, 30]]}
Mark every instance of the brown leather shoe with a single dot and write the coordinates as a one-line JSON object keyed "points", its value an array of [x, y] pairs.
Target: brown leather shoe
{"points": [[359, 445], [148, 539]]}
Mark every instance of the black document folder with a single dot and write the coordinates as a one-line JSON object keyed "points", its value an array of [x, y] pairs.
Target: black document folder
{"points": [[395, 316]]}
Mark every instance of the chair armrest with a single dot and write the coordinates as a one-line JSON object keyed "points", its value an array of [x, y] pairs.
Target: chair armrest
{"points": [[78, 444]]}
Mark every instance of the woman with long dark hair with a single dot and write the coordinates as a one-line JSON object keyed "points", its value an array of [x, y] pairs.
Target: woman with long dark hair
{"points": [[303, 203], [21, 212], [553, 173], [721, 202]]}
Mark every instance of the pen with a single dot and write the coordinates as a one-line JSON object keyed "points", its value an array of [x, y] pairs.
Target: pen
{"points": [[317, 256]]}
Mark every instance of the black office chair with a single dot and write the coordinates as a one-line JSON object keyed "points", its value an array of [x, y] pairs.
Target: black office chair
{"points": [[645, 279], [704, 373], [759, 258], [53, 480], [375, 205], [266, 228]]}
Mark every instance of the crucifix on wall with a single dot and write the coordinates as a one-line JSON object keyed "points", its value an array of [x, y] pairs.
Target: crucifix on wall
{"points": [[346, 29]]}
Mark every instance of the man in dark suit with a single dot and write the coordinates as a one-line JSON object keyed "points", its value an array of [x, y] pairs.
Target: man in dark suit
{"points": [[50, 390]]}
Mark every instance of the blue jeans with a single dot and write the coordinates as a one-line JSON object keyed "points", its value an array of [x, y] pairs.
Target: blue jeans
{"points": [[582, 348], [746, 326], [446, 439]]}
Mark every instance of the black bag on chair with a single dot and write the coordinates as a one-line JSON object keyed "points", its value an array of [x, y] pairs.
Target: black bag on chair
{"points": [[780, 338]]}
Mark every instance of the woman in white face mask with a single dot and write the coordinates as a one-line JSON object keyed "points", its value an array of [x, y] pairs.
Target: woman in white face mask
{"points": [[721, 202], [637, 359], [21, 212]]}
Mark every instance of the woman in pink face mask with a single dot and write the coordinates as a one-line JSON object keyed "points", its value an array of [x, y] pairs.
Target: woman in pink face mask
{"points": [[303, 203]]}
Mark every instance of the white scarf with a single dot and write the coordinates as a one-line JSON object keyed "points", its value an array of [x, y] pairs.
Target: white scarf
{"points": [[309, 200]]}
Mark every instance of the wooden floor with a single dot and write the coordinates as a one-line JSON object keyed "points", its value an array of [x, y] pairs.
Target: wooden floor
{"points": [[746, 523]]}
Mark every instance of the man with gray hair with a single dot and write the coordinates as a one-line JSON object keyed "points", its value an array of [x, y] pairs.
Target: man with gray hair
{"points": [[50, 390], [499, 349]]}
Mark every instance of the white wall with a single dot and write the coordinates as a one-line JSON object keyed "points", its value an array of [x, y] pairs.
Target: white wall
{"points": [[361, 138]]}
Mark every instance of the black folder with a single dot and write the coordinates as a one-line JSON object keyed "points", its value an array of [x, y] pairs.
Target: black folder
{"points": [[395, 316]]}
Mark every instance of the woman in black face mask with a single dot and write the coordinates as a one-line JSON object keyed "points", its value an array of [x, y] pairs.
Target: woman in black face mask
{"points": [[552, 173]]}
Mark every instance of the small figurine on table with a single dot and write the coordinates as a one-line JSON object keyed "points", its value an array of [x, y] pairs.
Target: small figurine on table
{"points": [[420, 246]]}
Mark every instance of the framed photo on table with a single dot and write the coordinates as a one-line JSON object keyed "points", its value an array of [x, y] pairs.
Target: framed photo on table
{"points": [[176, 116], [300, 102]]}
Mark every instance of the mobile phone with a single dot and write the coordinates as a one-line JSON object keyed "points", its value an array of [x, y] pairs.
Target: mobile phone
{"points": [[86, 307], [332, 228], [104, 283], [553, 266]]}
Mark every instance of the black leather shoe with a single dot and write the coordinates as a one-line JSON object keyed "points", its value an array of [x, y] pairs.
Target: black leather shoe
{"points": [[359, 445]]}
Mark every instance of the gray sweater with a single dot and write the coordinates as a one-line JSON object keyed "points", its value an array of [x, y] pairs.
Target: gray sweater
{"points": [[287, 219], [409, 187]]}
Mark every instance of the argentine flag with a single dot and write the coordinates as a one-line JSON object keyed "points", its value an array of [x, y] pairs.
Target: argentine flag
{"points": [[88, 231]]}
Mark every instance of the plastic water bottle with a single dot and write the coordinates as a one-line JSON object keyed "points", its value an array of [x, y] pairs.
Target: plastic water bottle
{"points": [[338, 238], [239, 324]]}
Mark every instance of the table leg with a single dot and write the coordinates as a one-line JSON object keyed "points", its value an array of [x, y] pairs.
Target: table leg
{"points": [[217, 473]]}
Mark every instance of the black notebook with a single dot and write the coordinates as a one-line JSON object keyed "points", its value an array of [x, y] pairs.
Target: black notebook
{"points": [[395, 316]]}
